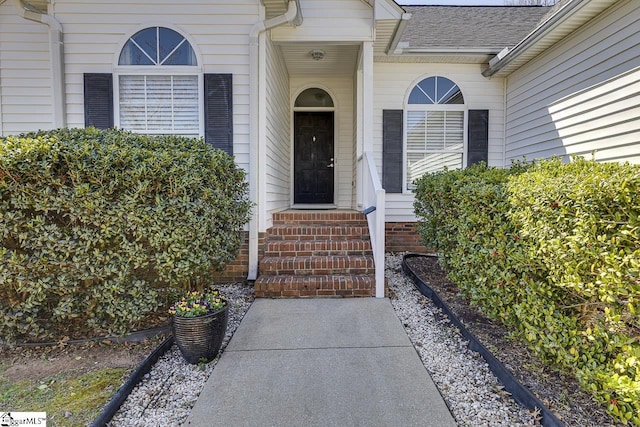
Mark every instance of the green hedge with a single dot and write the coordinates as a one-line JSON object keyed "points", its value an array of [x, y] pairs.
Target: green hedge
{"points": [[553, 251], [99, 226]]}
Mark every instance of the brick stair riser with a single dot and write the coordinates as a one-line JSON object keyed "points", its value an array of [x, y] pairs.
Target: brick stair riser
{"points": [[324, 285], [289, 248], [317, 265], [302, 232]]}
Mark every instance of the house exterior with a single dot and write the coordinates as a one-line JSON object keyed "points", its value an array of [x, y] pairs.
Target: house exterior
{"points": [[332, 104]]}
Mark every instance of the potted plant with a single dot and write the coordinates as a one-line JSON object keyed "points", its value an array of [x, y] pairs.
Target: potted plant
{"points": [[199, 324]]}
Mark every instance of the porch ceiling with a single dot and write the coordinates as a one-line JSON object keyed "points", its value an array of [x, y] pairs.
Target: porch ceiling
{"points": [[338, 59]]}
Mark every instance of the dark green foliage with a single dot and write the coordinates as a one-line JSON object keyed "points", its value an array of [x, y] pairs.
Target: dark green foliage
{"points": [[98, 225], [553, 252]]}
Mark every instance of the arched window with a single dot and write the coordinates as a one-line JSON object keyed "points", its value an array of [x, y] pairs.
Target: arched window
{"points": [[435, 117], [314, 97], [158, 84]]}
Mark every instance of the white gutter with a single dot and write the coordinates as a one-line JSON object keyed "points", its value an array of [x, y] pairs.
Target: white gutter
{"points": [[538, 34], [292, 16], [1, 132], [56, 55]]}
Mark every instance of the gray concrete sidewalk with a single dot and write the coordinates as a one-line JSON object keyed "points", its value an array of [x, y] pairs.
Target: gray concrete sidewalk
{"points": [[320, 362]]}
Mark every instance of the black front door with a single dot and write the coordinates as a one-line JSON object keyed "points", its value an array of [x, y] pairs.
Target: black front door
{"points": [[313, 157]]}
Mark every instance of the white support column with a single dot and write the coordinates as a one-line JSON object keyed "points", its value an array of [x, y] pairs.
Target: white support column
{"points": [[367, 95], [359, 135], [262, 130], [1, 134]]}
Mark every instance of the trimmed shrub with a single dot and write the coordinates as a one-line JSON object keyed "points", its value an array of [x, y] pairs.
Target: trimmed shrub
{"points": [[581, 223], [552, 251], [98, 226]]}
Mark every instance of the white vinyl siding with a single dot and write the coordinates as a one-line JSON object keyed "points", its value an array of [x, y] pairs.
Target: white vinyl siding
{"points": [[217, 30], [393, 82], [25, 80], [278, 135], [159, 104], [330, 20], [580, 96]]}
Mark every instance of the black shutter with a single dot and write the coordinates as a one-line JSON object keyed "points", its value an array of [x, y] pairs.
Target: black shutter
{"points": [[218, 111], [98, 100], [478, 146], [392, 151]]}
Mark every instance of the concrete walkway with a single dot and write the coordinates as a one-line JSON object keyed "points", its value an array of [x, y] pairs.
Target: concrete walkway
{"points": [[320, 362]]}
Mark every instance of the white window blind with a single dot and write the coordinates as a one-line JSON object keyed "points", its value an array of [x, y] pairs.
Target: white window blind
{"points": [[159, 104], [435, 140]]}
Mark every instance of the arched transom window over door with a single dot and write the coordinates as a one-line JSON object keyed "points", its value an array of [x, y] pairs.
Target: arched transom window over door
{"points": [[435, 116], [159, 84]]}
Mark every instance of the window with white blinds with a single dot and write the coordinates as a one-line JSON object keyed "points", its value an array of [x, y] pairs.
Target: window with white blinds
{"points": [[159, 104], [157, 92], [434, 138]]}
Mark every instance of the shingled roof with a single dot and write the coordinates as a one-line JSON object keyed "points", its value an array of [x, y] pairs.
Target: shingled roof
{"points": [[459, 27]]}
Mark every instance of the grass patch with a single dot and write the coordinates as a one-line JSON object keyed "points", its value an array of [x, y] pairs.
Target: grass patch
{"points": [[81, 396]]}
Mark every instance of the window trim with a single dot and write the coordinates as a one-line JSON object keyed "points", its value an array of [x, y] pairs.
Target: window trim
{"points": [[431, 107], [158, 70]]}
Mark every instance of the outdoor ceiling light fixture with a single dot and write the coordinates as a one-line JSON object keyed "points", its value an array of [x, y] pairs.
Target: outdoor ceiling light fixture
{"points": [[317, 54]]}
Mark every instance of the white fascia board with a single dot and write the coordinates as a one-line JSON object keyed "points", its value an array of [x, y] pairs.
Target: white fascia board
{"points": [[399, 31], [449, 50]]}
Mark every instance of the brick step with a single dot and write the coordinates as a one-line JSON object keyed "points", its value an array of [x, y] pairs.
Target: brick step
{"points": [[319, 218], [288, 248], [315, 286], [317, 265], [310, 232]]}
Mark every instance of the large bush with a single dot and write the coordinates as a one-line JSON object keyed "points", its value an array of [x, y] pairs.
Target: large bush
{"points": [[553, 251], [97, 226]]}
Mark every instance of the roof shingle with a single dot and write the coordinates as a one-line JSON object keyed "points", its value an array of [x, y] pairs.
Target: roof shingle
{"points": [[459, 27]]}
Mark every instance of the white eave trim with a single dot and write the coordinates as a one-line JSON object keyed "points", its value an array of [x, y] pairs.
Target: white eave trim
{"points": [[397, 34], [538, 35], [390, 7]]}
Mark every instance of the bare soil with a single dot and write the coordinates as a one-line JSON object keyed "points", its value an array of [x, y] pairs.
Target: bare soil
{"points": [[36, 363], [559, 391]]}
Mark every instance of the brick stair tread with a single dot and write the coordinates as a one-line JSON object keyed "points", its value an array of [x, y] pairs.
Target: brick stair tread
{"points": [[335, 231], [317, 258], [319, 218], [317, 247]]}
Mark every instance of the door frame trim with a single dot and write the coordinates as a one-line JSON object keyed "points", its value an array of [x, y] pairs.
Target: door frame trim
{"points": [[293, 110]]}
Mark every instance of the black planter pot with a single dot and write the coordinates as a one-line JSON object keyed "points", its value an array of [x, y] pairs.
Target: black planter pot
{"points": [[200, 338]]}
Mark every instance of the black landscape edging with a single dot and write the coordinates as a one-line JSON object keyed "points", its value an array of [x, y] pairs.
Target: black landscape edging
{"points": [[520, 393], [137, 336], [116, 401]]}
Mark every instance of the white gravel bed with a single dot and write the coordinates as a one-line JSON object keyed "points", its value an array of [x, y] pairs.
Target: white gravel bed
{"points": [[472, 392], [168, 392]]}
